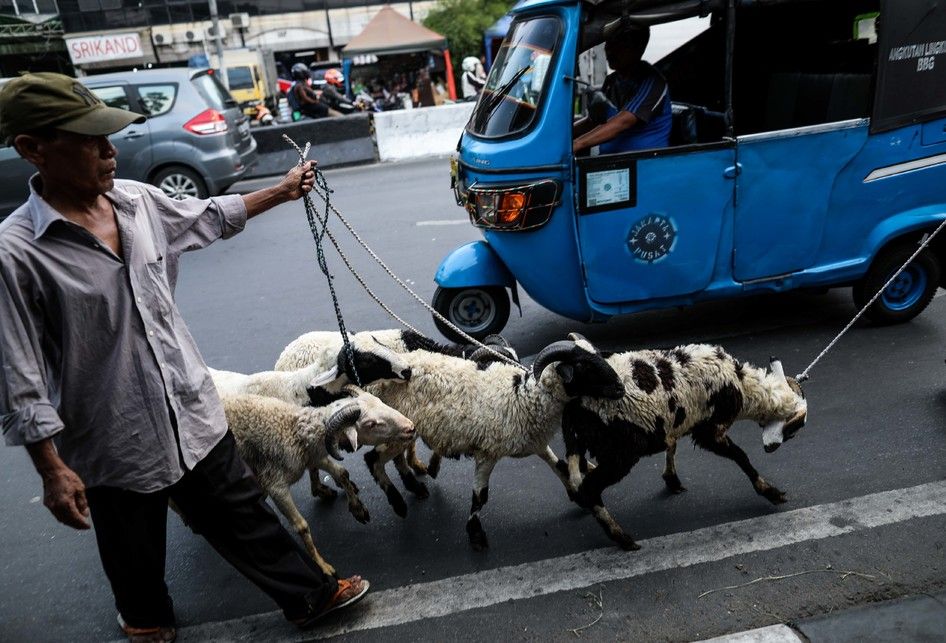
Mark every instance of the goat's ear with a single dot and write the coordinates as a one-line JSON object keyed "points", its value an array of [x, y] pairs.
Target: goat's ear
{"points": [[566, 372], [776, 367]]}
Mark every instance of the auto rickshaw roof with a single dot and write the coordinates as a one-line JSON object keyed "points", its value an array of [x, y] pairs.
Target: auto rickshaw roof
{"points": [[656, 11]]}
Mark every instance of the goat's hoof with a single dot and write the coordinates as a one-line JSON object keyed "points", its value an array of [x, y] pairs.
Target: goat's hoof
{"points": [[625, 542], [478, 541], [773, 495], [673, 483], [361, 514], [325, 494], [421, 491], [398, 505]]}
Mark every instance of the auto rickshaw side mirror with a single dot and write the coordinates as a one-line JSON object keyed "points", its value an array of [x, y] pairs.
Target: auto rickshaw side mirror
{"points": [[599, 106]]}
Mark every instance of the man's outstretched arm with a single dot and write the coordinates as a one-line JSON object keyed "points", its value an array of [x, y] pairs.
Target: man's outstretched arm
{"points": [[297, 182]]}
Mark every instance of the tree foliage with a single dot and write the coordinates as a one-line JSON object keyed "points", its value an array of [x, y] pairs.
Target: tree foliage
{"points": [[463, 23]]}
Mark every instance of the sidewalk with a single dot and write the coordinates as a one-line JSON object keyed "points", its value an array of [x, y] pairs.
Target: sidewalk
{"points": [[914, 619]]}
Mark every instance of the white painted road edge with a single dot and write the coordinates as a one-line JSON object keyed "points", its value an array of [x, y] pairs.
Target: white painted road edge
{"points": [[481, 589], [770, 634]]}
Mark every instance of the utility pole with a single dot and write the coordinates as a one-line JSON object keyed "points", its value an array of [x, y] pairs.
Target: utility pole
{"points": [[218, 43], [328, 24]]}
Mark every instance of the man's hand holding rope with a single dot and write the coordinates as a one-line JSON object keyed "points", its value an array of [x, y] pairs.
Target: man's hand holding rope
{"points": [[297, 183]]}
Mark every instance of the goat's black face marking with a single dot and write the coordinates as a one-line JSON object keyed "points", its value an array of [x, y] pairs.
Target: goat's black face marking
{"points": [[589, 376], [665, 373], [645, 376], [319, 396], [371, 367]]}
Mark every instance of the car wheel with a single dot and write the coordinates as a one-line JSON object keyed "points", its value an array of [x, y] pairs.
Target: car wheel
{"points": [[478, 311], [179, 182], [908, 294]]}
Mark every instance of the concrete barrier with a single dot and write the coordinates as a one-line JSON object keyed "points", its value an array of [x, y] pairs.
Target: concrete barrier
{"points": [[411, 133], [343, 140]]}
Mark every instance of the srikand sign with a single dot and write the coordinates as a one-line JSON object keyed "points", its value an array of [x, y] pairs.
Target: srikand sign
{"points": [[93, 49], [911, 78]]}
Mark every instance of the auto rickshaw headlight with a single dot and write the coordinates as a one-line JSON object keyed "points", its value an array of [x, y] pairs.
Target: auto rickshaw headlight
{"points": [[512, 207]]}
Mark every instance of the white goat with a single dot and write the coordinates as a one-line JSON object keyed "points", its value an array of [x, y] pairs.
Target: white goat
{"points": [[461, 408], [280, 441]]}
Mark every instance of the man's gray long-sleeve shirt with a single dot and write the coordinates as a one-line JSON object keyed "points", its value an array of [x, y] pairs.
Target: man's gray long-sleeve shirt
{"points": [[93, 350]]}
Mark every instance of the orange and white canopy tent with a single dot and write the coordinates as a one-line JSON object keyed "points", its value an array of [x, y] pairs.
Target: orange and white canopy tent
{"points": [[389, 32]]}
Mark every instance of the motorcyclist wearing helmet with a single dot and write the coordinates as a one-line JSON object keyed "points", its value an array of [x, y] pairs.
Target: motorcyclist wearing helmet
{"points": [[303, 98], [474, 78], [333, 91]]}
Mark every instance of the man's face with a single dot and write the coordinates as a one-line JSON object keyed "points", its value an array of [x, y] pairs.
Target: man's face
{"points": [[85, 164], [621, 55]]}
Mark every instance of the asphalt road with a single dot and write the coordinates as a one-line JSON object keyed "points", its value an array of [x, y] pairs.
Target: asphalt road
{"points": [[876, 423]]}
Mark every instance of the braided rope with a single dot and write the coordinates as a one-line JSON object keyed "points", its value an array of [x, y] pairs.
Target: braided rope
{"points": [[322, 191], [317, 234]]}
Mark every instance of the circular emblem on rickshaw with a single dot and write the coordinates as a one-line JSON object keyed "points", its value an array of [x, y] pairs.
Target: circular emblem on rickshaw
{"points": [[652, 238]]}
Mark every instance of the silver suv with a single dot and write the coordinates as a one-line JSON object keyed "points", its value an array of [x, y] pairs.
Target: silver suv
{"points": [[196, 141]]}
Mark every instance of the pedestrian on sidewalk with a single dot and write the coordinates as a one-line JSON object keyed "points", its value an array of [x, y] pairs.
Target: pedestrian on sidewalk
{"points": [[101, 380]]}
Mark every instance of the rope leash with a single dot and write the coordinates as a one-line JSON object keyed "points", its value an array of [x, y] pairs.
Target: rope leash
{"points": [[317, 234], [801, 377], [322, 190]]}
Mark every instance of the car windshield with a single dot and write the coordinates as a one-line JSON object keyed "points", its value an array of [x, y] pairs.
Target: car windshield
{"points": [[240, 77], [516, 82]]}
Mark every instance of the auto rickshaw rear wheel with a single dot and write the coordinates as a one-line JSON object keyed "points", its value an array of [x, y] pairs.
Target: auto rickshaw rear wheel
{"points": [[909, 294], [477, 310]]}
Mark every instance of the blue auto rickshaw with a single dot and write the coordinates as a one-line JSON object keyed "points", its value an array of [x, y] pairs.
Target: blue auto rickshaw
{"points": [[808, 150]]}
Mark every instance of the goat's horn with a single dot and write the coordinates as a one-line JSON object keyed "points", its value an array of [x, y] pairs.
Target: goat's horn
{"points": [[496, 340], [338, 421], [577, 337], [552, 353]]}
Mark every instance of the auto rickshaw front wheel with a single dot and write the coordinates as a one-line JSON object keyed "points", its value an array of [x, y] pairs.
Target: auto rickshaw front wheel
{"points": [[907, 295], [477, 310]]}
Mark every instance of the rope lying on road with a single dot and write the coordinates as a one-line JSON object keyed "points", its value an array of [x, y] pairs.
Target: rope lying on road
{"points": [[322, 191]]}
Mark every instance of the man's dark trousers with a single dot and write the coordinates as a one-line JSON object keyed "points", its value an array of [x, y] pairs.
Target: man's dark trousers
{"points": [[220, 500]]}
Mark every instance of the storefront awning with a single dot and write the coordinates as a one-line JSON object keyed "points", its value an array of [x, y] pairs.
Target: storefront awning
{"points": [[392, 33]]}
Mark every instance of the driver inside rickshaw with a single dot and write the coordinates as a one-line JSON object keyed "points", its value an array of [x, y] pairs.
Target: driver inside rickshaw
{"points": [[634, 112]]}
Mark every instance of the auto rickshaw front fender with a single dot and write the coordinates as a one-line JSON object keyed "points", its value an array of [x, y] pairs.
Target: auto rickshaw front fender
{"points": [[476, 264], [473, 264]]}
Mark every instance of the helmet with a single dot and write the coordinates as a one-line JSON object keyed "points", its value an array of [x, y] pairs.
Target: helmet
{"points": [[299, 72], [334, 77], [469, 63]]}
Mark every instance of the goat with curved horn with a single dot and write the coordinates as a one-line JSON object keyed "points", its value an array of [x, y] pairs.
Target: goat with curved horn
{"points": [[554, 352], [342, 420]]}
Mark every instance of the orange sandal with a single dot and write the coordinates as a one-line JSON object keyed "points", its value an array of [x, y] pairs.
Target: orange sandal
{"points": [[350, 591]]}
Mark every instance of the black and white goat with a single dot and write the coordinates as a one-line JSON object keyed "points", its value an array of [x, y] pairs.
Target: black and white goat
{"points": [[696, 390], [494, 411]]}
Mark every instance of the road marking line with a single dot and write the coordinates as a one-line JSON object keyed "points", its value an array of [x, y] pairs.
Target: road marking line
{"points": [[444, 222], [770, 634], [674, 551]]}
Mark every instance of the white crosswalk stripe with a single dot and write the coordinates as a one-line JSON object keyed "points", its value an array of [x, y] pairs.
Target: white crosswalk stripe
{"points": [[481, 589]]}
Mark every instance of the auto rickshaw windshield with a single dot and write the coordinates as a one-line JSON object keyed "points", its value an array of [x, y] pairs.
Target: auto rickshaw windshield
{"points": [[516, 82]]}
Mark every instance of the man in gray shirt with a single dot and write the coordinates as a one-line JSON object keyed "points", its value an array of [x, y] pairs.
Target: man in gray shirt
{"points": [[101, 380]]}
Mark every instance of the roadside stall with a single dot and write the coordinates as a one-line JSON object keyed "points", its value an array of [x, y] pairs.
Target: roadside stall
{"points": [[410, 58]]}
